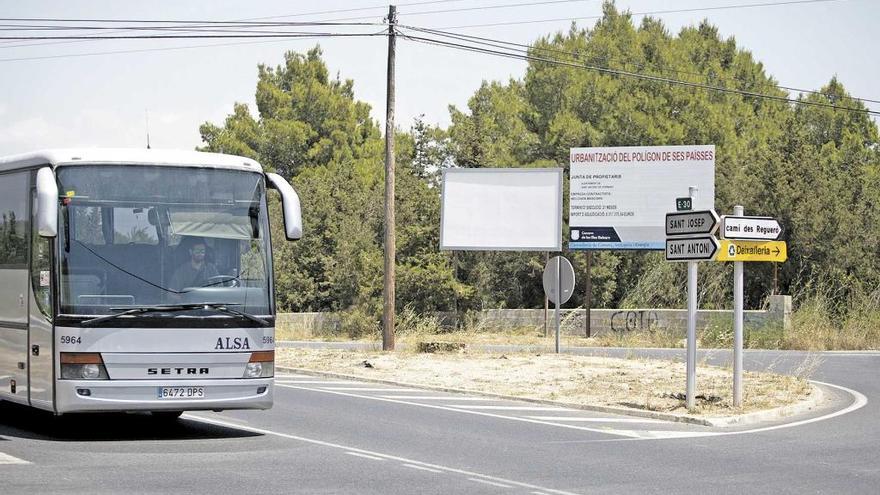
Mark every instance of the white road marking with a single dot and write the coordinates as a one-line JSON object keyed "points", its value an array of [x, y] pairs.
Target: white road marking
{"points": [[445, 397], [463, 411], [500, 485], [317, 382], [378, 454], [514, 408], [365, 456], [577, 419], [364, 389], [8, 459], [423, 468], [859, 402]]}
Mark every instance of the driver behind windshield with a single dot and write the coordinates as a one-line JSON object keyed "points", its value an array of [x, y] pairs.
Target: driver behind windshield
{"points": [[196, 271]]}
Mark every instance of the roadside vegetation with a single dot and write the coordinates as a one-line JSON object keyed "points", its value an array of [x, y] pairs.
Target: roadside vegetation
{"points": [[815, 168]]}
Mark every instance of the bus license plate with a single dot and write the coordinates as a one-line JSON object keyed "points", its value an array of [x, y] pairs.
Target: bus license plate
{"points": [[181, 392]]}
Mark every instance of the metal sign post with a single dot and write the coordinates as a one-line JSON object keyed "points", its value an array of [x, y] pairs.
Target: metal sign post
{"points": [[558, 291], [746, 239], [692, 326], [737, 324], [558, 285], [689, 238]]}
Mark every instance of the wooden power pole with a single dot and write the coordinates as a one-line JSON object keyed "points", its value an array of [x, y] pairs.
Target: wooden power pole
{"points": [[390, 247]]}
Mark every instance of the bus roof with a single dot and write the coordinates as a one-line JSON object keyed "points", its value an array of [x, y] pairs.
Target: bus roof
{"points": [[133, 156]]}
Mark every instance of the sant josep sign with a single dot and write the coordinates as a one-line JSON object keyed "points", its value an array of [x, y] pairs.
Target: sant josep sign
{"points": [[619, 196]]}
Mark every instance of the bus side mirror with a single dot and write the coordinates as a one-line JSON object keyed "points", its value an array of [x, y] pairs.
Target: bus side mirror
{"points": [[289, 205], [47, 203]]}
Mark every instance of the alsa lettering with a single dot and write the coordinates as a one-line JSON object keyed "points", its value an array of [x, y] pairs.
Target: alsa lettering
{"points": [[224, 343], [177, 371]]}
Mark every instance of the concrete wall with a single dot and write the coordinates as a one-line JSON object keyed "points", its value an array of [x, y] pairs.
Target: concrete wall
{"points": [[777, 316]]}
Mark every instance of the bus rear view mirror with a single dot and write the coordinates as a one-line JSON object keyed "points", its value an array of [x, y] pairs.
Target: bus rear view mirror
{"points": [[47, 203], [289, 206]]}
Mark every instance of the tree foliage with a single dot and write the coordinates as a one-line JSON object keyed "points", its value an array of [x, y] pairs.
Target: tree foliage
{"points": [[815, 168]]}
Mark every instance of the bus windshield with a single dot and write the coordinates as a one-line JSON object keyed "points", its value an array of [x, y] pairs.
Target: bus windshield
{"points": [[138, 236]]}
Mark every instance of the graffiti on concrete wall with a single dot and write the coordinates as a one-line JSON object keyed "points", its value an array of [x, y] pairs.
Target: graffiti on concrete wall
{"points": [[629, 321]]}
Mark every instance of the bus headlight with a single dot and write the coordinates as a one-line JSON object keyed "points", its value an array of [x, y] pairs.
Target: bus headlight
{"points": [[83, 366], [253, 370], [261, 365]]}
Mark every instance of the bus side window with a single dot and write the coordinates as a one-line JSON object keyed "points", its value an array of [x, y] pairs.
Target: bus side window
{"points": [[41, 270]]}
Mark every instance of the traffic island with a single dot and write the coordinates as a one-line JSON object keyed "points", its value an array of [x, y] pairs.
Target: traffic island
{"points": [[637, 386]]}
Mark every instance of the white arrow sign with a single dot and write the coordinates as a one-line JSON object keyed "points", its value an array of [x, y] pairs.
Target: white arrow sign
{"points": [[691, 222], [691, 249], [750, 228]]}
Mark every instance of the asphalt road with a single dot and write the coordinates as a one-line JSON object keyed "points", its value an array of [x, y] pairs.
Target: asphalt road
{"points": [[332, 436]]}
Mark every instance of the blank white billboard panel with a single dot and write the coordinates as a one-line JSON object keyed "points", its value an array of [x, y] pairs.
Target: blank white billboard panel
{"points": [[501, 209]]}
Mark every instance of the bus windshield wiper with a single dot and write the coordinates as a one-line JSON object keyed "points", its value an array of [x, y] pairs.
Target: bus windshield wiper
{"points": [[221, 307]]}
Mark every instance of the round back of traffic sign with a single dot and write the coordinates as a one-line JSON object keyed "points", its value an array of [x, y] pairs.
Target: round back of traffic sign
{"points": [[558, 273]]}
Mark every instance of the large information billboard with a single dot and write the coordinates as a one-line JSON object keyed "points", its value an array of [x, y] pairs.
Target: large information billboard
{"points": [[619, 196], [501, 209]]}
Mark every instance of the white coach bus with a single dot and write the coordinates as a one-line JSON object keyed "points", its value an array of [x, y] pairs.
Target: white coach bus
{"points": [[137, 280]]}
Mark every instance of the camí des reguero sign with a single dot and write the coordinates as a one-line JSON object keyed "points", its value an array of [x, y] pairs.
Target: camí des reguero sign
{"points": [[619, 196]]}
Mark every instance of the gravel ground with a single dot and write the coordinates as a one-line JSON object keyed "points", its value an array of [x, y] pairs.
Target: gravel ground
{"points": [[656, 385]]}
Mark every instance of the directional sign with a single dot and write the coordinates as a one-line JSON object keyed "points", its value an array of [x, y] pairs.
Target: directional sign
{"points": [[691, 222], [752, 251], [691, 249], [750, 228]]}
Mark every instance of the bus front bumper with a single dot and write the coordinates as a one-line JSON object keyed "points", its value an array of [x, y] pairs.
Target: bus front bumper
{"points": [[162, 395]]}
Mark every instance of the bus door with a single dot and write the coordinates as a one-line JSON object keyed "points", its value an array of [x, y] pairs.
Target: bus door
{"points": [[41, 376], [14, 289]]}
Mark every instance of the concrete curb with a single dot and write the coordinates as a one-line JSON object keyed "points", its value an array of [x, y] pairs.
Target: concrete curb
{"points": [[722, 421]]}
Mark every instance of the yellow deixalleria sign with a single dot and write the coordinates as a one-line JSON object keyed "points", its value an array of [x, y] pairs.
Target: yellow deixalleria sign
{"points": [[752, 251]]}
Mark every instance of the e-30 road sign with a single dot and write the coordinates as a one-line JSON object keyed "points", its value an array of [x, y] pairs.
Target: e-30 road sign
{"points": [[752, 251], [691, 222], [691, 248]]}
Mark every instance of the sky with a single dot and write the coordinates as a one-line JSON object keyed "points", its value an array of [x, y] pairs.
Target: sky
{"points": [[76, 94]]}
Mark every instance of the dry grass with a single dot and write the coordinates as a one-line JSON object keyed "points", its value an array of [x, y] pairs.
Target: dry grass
{"points": [[646, 384], [819, 325]]}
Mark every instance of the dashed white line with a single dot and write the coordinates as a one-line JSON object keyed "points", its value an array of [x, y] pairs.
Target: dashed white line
{"points": [[514, 408], [423, 468], [8, 459], [365, 389], [463, 411], [429, 397], [317, 382], [365, 456], [487, 482], [473, 475], [577, 419]]}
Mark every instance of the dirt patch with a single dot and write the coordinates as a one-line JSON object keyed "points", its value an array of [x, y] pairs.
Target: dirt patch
{"points": [[653, 385]]}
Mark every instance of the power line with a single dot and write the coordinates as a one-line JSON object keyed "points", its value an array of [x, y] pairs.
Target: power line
{"points": [[491, 7], [163, 49], [186, 36], [12, 44], [616, 72], [655, 12], [500, 44]]}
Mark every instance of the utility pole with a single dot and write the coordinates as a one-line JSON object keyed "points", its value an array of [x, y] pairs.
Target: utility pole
{"points": [[390, 247]]}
